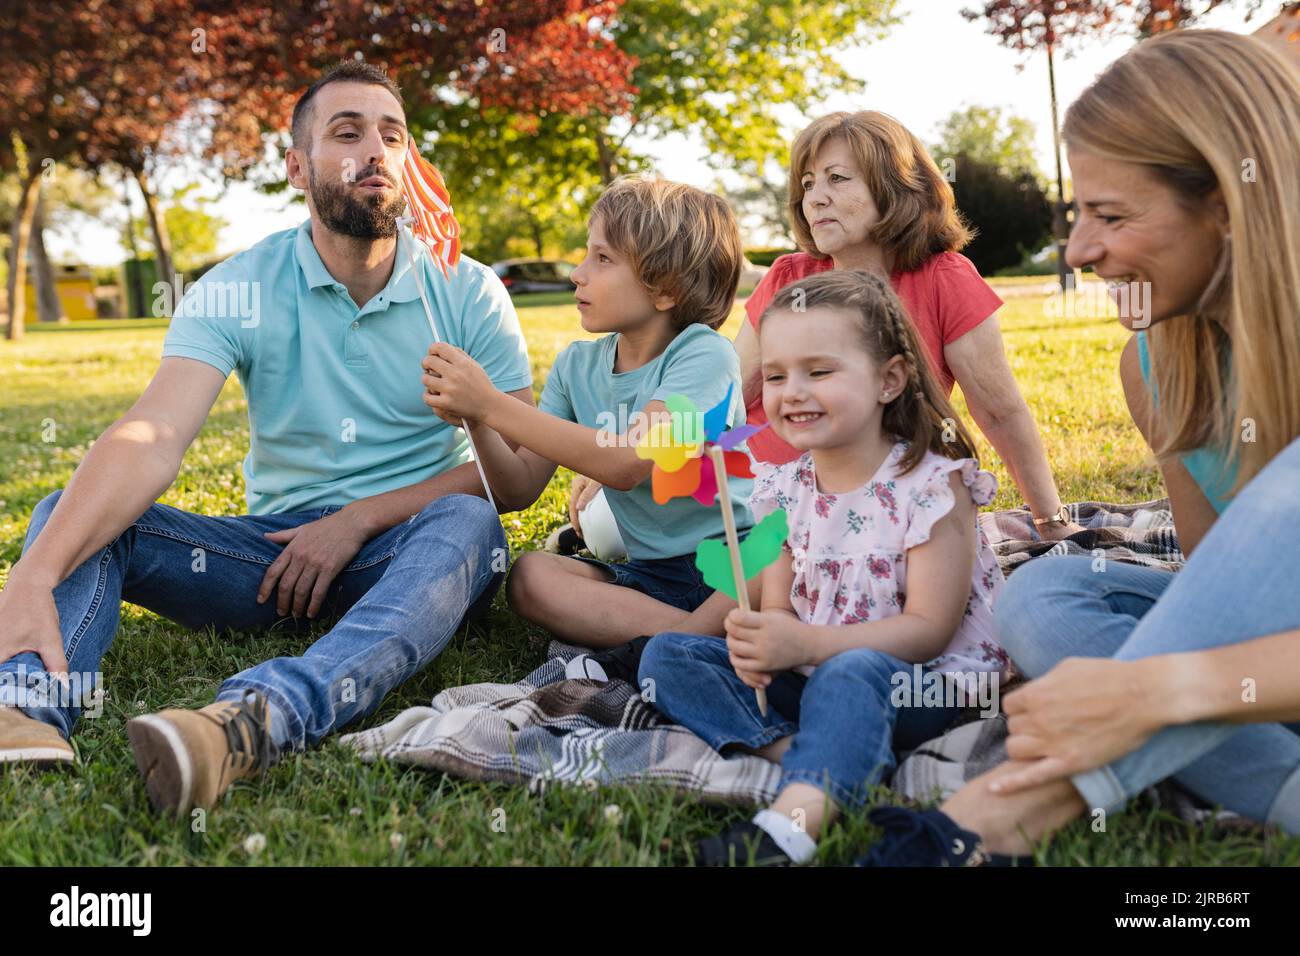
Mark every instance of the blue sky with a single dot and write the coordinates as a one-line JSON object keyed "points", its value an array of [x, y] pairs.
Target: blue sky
{"points": [[933, 62]]}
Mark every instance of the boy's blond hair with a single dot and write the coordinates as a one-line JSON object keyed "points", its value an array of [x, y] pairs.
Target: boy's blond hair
{"points": [[682, 243]]}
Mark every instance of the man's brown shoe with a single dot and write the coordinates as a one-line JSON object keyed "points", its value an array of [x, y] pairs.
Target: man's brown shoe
{"points": [[25, 740], [189, 758]]}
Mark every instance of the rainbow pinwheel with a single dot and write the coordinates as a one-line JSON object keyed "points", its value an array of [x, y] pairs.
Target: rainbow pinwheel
{"points": [[679, 449]]}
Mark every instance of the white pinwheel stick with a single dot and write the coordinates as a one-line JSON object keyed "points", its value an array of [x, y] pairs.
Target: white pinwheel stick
{"points": [[437, 337]]}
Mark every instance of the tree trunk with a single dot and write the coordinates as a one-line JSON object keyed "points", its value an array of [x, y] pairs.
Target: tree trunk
{"points": [[48, 306], [606, 155], [161, 242], [536, 229], [138, 298], [22, 232], [1060, 214]]}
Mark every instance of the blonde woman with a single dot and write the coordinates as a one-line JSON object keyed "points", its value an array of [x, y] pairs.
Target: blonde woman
{"points": [[1184, 155]]}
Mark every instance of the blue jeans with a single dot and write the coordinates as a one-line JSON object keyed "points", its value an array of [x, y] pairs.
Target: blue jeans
{"points": [[401, 599], [1239, 584], [672, 581], [844, 724]]}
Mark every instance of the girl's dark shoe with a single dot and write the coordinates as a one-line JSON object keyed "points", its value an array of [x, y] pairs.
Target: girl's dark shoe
{"points": [[733, 848], [615, 663], [928, 838]]}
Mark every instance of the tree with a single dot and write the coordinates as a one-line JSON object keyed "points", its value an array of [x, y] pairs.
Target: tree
{"points": [[520, 185], [1028, 25], [534, 57], [718, 69], [762, 199], [712, 69], [50, 86], [65, 195], [1009, 210], [1156, 16], [193, 230], [987, 135]]}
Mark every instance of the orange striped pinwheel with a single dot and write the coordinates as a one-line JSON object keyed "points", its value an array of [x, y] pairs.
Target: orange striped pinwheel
{"points": [[429, 203]]}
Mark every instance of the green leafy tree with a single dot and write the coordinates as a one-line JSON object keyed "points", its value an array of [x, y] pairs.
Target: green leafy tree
{"points": [[521, 186], [716, 70], [192, 228], [719, 68], [986, 134], [1009, 210]]}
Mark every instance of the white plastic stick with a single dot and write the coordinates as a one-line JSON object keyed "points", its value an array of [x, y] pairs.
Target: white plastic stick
{"points": [[437, 337]]}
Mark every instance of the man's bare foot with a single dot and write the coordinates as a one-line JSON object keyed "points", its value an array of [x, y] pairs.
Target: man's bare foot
{"points": [[1013, 823]]}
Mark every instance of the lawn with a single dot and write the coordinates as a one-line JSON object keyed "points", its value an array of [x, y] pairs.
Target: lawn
{"points": [[325, 806]]}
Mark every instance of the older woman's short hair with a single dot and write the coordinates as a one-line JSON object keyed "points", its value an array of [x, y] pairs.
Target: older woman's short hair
{"points": [[918, 215], [682, 242]]}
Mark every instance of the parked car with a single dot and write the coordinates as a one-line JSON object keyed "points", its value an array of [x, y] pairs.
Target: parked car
{"points": [[534, 275]]}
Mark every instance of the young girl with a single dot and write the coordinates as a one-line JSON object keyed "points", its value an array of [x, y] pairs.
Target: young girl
{"points": [[884, 569]]}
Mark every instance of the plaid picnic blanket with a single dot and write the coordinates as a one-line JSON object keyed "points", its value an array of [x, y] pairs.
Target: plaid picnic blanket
{"points": [[547, 730]]}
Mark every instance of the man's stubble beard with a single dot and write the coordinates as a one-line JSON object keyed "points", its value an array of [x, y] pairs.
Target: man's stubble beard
{"points": [[342, 210]]}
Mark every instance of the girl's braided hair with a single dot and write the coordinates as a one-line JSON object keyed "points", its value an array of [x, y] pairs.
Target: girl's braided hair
{"points": [[921, 414]]}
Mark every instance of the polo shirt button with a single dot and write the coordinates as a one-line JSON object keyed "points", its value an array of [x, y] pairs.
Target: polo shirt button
{"points": [[356, 325]]}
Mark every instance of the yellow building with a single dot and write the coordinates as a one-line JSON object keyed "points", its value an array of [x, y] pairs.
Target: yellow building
{"points": [[76, 289]]}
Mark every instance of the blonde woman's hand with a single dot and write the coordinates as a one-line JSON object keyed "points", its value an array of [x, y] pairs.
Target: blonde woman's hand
{"points": [[1082, 714]]}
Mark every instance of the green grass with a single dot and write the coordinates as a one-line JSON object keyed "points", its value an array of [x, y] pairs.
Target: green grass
{"points": [[325, 806]]}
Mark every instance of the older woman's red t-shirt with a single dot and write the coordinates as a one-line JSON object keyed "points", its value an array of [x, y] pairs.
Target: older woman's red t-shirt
{"points": [[944, 296]]}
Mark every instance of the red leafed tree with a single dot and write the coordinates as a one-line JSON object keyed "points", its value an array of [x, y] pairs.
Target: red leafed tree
{"points": [[530, 56], [1157, 16], [51, 85], [94, 82]]}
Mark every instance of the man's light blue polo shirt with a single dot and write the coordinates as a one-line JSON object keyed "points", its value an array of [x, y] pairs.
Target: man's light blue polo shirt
{"points": [[334, 392]]}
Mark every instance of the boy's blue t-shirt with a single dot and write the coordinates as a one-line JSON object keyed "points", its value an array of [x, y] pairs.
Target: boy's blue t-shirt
{"points": [[584, 388], [1211, 469]]}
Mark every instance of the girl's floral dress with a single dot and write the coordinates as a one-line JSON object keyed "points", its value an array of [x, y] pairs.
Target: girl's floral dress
{"points": [[849, 550]]}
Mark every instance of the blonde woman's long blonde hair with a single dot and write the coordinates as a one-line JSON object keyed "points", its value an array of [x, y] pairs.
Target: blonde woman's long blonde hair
{"points": [[1206, 108]]}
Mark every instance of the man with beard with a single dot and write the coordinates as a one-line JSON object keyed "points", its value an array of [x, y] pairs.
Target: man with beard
{"points": [[364, 507]]}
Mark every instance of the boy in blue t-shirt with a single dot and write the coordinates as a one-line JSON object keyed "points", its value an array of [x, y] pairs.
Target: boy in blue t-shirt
{"points": [[663, 261]]}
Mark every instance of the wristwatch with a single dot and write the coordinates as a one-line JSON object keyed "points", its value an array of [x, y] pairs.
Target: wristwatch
{"points": [[1060, 516]]}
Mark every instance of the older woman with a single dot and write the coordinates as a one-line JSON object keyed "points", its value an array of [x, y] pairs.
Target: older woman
{"points": [[1184, 158], [865, 194]]}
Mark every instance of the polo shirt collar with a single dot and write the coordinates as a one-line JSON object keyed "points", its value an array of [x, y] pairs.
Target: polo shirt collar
{"points": [[402, 284]]}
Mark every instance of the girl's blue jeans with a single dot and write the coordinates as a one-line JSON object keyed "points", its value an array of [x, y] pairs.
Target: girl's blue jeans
{"points": [[401, 600], [845, 726], [1241, 582]]}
